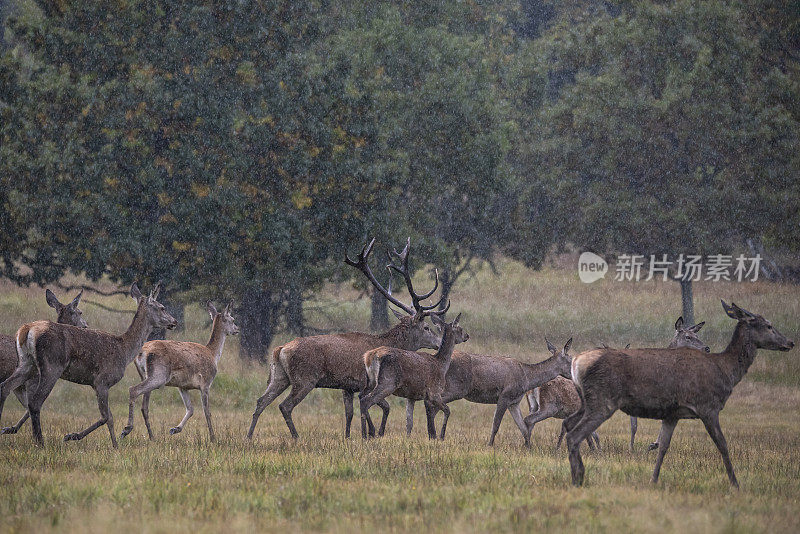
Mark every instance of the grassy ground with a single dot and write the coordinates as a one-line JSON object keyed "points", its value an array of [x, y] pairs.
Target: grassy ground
{"points": [[182, 482]]}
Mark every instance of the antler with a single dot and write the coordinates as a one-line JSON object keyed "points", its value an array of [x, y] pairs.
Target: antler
{"points": [[415, 298], [362, 265]]}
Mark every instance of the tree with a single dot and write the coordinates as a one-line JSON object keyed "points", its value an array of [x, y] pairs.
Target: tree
{"points": [[657, 142]]}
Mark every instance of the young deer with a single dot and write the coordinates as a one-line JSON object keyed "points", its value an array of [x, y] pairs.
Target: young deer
{"points": [[559, 398], [83, 356], [666, 384], [413, 375], [501, 381], [181, 364], [335, 360], [67, 314]]}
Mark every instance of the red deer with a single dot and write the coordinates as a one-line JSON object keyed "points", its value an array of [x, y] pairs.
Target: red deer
{"points": [[498, 380], [67, 314], [413, 375], [335, 360], [83, 356], [559, 398], [183, 365], [666, 384]]}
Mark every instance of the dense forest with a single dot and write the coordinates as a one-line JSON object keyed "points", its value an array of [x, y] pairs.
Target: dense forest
{"points": [[236, 149]]}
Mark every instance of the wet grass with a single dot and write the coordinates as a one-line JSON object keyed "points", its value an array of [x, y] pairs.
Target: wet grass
{"points": [[324, 482]]}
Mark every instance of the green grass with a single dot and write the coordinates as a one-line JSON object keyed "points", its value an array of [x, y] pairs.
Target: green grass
{"points": [[323, 482]]}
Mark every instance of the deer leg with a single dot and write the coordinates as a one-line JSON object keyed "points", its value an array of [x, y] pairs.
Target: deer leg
{"points": [[502, 406], [409, 416], [634, 427], [370, 425], [207, 412], [532, 404], [105, 418], [378, 395], [588, 424], [278, 382], [540, 414], [437, 404], [187, 401], [596, 440], [347, 400], [155, 379], [37, 396], [23, 399], [516, 415], [430, 416], [664, 438], [711, 423], [24, 372], [561, 435], [146, 414], [384, 417], [296, 396]]}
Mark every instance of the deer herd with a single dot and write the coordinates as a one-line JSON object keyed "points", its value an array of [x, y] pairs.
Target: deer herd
{"points": [[683, 381]]}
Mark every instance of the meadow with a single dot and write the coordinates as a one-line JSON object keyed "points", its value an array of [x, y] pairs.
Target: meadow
{"points": [[397, 483]]}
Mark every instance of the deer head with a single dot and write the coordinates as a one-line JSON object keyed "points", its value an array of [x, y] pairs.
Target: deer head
{"points": [[687, 336], [157, 315], [563, 359], [417, 332], [67, 314], [761, 331], [454, 329], [228, 325]]}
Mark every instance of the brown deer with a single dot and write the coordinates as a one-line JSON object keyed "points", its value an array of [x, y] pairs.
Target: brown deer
{"points": [[335, 360], [413, 375], [498, 380], [559, 398], [181, 364], [67, 314], [83, 356], [666, 384]]}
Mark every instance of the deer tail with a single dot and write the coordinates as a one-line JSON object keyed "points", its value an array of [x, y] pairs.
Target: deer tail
{"points": [[26, 350], [373, 366]]}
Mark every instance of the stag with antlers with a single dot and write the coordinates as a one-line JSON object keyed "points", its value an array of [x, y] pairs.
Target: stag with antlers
{"points": [[336, 360]]}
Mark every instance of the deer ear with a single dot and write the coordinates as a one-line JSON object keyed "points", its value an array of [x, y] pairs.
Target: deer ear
{"points": [[52, 301], [567, 346], [696, 328], [550, 346], [135, 293], [398, 314], [679, 323], [156, 291], [212, 310], [437, 320], [76, 300]]}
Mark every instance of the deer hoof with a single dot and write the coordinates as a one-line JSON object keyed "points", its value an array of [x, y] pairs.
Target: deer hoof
{"points": [[8, 430], [174, 430], [653, 446], [72, 437]]}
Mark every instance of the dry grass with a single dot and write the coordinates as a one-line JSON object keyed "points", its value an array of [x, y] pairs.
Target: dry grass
{"points": [[323, 482]]}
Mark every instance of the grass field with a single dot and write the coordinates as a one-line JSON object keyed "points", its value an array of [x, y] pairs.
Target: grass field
{"points": [[324, 482]]}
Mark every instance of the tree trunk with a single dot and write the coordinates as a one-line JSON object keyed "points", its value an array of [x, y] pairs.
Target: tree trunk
{"points": [[688, 301], [257, 318], [379, 317], [176, 309], [446, 282], [295, 321]]}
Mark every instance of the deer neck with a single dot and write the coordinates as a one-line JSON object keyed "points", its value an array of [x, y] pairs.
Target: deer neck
{"points": [[740, 353], [396, 336], [537, 374], [217, 340], [137, 333], [445, 351]]}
